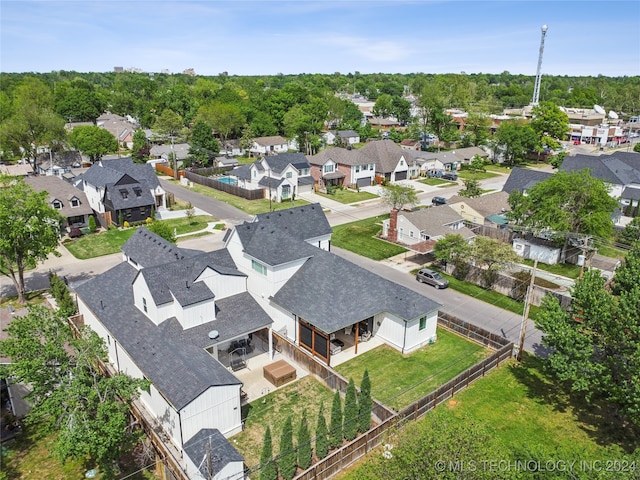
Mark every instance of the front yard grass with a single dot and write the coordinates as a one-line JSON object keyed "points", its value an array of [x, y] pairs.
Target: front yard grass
{"points": [[530, 414], [398, 380], [304, 396], [110, 241], [437, 182], [466, 174], [494, 167], [359, 237], [252, 207], [347, 196]]}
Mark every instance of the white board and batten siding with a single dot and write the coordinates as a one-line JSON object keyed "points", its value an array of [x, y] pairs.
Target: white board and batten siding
{"points": [[223, 285], [217, 407], [231, 471], [416, 337], [196, 314], [323, 242], [163, 411], [142, 296], [391, 329]]}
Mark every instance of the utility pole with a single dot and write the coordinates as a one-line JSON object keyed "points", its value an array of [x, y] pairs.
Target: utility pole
{"points": [[536, 88], [525, 314]]}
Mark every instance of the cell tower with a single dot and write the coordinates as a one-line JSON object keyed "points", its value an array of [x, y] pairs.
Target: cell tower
{"points": [[536, 88]]}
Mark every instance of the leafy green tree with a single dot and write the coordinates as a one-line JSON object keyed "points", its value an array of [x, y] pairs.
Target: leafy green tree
{"points": [[350, 420], [453, 248], [78, 101], [401, 109], [140, 149], [565, 202], [335, 424], [70, 395], [397, 197], [58, 288], [550, 123], [631, 232], [226, 119], [203, 144], [268, 469], [477, 127], [595, 346], [93, 141], [169, 123], [163, 230], [322, 440], [384, 106], [471, 188], [33, 123], [514, 139], [92, 224], [493, 256], [365, 404], [304, 443], [29, 230], [287, 457]]}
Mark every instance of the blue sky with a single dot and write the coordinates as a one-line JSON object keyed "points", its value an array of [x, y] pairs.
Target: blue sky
{"points": [[269, 37]]}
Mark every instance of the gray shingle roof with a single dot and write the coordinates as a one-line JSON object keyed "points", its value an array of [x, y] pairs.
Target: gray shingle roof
{"points": [[211, 440], [242, 171], [180, 371], [522, 179], [385, 153], [277, 163], [270, 245], [270, 182], [341, 156], [630, 193], [485, 205], [436, 221], [111, 171], [132, 195], [618, 168], [268, 141], [304, 222], [332, 293], [148, 249], [63, 191]]}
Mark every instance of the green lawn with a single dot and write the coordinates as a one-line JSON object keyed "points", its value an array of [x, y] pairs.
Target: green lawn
{"points": [[437, 182], [31, 456], [110, 241], [610, 251], [490, 296], [359, 237], [348, 196], [398, 380], [465, 174], [563, 269], [252, 207], [535, 419], [498, 169], [305, 395]]}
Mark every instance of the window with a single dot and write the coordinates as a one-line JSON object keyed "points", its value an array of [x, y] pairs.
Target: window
{"points": [[57, 204], [357, 168], [144, 304], [372, 166], [411, 233], [254, 174], [258, 267], [75, 202], [328, 168], [423, 323], [124, 193], [137, 191], [289, 174]]}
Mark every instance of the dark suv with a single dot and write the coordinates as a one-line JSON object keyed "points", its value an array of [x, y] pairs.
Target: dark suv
{"points": [[438, 201], [449, 176], [431, 277]]}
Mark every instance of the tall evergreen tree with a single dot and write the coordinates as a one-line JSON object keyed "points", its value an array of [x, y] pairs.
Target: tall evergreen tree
{"points": [[304, 443], [335, 425], [287, 457], [350, 420], [267, 465], [365, 404], [322, 442]]}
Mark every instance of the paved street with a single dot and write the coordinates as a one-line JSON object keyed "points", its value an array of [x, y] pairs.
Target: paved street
{"points": [[474, 311]]}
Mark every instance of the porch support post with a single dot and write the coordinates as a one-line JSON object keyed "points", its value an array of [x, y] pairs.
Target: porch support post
{"points": [[271, 343], [355, 343]]}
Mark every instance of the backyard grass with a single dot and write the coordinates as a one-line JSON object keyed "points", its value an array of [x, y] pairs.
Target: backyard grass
{"points": [[398, 380], [348, 196], [610, 251], [110, 241], [359, 237], [31, 456], [531, 415], [304, 396], [562, 269], [252, 207]]}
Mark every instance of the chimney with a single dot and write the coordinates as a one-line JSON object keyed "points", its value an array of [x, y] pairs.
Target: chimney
{"points": [[392, 234]]}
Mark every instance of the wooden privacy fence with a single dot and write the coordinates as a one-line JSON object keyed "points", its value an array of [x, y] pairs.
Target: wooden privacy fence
{"points": [[211, 182], [168, 170], [345, 456]]}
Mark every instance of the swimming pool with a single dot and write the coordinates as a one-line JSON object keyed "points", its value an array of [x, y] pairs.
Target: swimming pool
{"points": [[229, 180]]}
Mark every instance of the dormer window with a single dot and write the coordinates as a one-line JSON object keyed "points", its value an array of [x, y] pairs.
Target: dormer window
{"points": [[57, 204], [137, 191], [124, 193], [75, 202]]}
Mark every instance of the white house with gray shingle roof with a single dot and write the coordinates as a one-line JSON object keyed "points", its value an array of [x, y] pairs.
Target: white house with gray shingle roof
{"points": [[170, 315], [271, 145], [312, 294], [392, 162]]}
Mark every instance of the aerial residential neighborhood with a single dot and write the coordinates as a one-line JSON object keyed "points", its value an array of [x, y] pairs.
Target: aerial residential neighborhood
{"points": [[216, 266]]}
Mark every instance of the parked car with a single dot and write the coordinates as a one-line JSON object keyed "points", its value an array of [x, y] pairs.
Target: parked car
{"points": [[431, 277], [434, 173], [576, 142], [450, 176], [438, 201]]}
